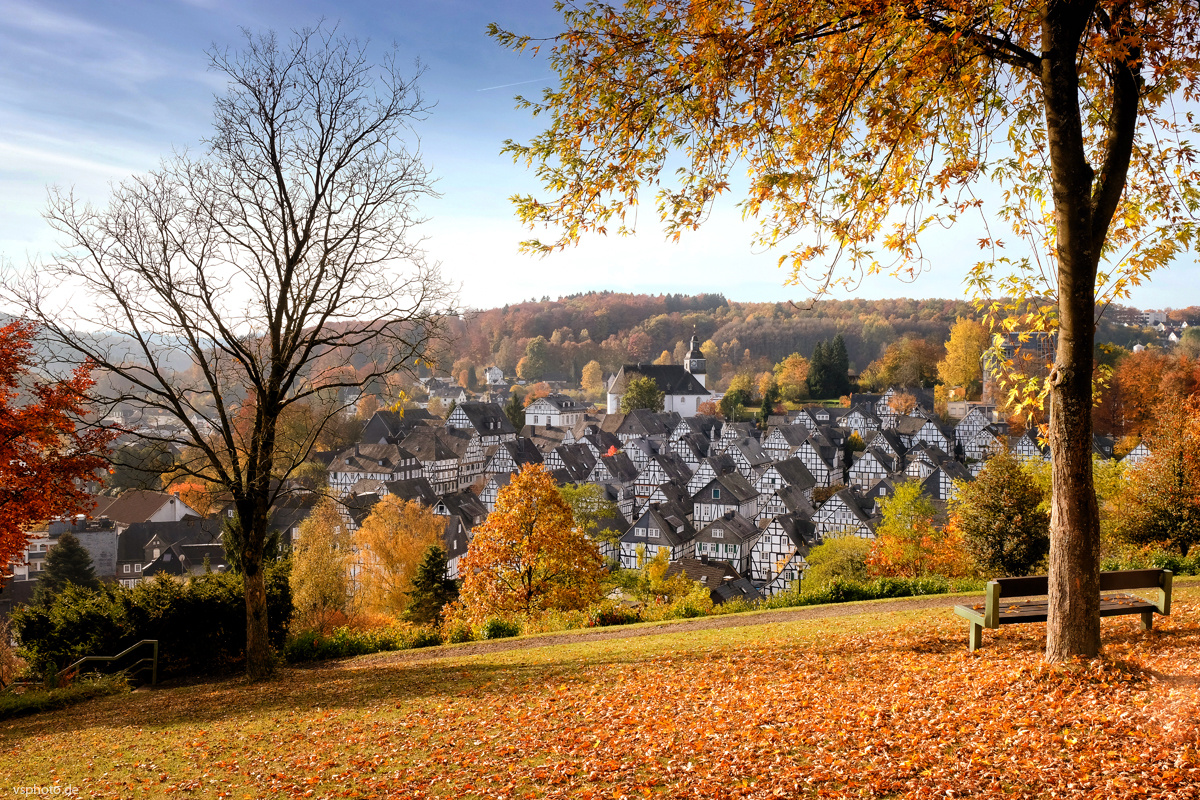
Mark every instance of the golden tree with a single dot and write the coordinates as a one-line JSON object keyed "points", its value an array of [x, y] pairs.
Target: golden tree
{"points": [[529, 555], [391, 543], [863, 126], [320, 576], [963, 364]]}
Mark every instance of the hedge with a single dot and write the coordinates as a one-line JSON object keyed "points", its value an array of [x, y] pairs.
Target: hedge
{"points": [[200, 624]]}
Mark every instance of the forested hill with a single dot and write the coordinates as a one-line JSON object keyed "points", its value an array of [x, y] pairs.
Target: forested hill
{"points": [[614, 328]]}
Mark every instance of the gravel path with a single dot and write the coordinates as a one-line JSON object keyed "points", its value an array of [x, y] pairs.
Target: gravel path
{"points": [[680, 626]]}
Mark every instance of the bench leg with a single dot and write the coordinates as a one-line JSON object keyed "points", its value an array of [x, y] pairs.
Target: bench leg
{"points": [[974, 636], [1147, 620]]}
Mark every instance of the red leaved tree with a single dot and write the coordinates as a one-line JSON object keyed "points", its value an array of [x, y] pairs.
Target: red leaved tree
{"points": [[44, 454]]}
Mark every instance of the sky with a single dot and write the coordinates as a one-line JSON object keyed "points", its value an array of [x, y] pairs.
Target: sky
{"points": [[93, 92]]}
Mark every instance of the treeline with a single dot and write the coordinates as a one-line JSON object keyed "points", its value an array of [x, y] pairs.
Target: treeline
{"points": [[615, 329], [557, 338]]}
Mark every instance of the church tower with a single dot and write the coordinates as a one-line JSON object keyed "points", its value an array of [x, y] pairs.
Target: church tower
{"points": [[694, 362]]}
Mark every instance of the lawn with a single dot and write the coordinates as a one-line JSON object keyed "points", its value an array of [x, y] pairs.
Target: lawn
{"points": [[876, 705]]}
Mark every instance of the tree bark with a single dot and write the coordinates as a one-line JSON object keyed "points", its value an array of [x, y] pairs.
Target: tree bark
{"points": [[1073, 625]]}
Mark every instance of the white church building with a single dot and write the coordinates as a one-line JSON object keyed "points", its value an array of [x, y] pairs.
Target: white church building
{"points": [[684, 386]]}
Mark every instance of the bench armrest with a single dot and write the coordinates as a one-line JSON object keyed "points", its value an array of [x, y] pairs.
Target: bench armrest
{"points": [[991, 608], [1164, 593]]}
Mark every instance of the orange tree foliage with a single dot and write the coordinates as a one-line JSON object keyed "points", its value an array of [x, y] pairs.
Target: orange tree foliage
{"points": [[529, 554], [1160, 499], [864, 125], [907, 543], [43, 453]]}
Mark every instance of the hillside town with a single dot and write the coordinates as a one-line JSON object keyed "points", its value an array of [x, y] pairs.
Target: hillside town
{"points": [[749, 499]]}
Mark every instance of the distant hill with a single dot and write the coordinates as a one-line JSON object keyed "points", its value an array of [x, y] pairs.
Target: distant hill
{"points": [[614, 328]]}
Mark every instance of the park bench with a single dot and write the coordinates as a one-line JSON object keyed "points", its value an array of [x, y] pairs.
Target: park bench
{"points": [[995, 611]]}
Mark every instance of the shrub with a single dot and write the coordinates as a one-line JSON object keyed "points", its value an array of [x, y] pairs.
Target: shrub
{"points": [[610, 613], [497, 628], [344, 642], [1153, 557], [837, 557], [16, 705], [11, 664], [457, 632], [425, 637], [200, 624]]}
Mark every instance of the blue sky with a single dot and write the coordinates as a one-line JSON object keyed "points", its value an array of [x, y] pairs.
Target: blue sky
{"points": [[91, 92]]}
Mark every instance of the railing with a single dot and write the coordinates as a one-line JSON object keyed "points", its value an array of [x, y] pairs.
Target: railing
{"points": [[152, 660]]}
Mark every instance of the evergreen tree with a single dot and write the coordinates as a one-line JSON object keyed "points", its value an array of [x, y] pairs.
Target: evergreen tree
{"points": [[819, 368], [839, 361], [514, 409], [67, 562], [432, 589]]}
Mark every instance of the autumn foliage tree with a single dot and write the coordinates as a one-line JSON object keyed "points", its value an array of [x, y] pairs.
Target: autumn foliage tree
{"points": [[1160, 501], [390, 544], [1001, 519], [529, 554], [907, 542], [320, 574], [864, 127], [963, 364], [45, 451]]}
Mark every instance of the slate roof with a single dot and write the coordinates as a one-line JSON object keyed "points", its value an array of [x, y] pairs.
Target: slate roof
{"points": [[737, 486], [670, 378], [488, 419], [801, 530], [372, 458], [431, 444], [711, 574], [793, 435], [523, 451], [793, 471], [644, 422], [414, 489], [544, 437], [620, 467], [131, 543]]}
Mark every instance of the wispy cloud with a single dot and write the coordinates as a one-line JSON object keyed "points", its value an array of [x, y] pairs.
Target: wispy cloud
{"points": [[506, 85]]}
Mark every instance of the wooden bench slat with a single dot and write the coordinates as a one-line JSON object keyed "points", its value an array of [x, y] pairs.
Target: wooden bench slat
{"points": [[1130, 579], [1024, 587]]}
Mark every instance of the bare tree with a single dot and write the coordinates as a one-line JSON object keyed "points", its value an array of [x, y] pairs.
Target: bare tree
{"points": [[259, 281]]}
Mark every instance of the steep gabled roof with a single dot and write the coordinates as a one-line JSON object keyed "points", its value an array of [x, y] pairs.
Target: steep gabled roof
{"points": [[370, 458], [642, 422], [487, 419], [670, 378], [137, 505], [413, 489], [794, 473], [620, 467], [733, 483]]}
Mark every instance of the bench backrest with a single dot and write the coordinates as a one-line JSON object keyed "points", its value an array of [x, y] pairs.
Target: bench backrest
{"points": [[1037, 585]]}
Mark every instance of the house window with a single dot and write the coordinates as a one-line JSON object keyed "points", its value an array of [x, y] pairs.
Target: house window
{"points": [[716, 494], [718, 533], [126, 568], [654, 533], [137, 567]]}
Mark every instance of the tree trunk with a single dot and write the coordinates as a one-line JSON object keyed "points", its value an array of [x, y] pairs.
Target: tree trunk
{"points": [[1073, 625], [260, 663]]}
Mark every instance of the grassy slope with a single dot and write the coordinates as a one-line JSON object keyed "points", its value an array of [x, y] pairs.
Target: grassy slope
{"points": [[880, 704]]}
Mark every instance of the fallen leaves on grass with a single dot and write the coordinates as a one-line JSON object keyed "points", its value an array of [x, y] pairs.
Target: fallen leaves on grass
{"points": [[903, 712]]}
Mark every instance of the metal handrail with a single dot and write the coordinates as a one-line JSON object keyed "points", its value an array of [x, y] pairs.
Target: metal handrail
{"points": [[153, 658]]}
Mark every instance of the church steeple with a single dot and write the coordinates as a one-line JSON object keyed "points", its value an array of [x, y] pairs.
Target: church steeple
{"points": [[694, 361]]}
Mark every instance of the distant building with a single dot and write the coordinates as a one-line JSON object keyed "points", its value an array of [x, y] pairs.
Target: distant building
{"points": [[1029, 354], [684, 386]]}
